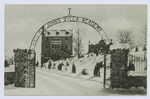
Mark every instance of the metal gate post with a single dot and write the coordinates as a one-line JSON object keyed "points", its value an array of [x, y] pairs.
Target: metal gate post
{"points": [[104, 69]]}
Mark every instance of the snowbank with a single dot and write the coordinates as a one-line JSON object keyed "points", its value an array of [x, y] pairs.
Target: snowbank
{"points": [[138, 54], [119, 46], [11, 68]]}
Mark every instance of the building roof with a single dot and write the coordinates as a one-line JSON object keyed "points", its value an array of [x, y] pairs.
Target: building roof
{"points": [[119, 46], [58, 33]]}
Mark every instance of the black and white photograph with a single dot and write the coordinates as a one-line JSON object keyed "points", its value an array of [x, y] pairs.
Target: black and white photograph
{"points": [[75, 49]]}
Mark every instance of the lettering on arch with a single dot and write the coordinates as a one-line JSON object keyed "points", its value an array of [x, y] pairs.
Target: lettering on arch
{"points": [[64, 19], [73, 19]]}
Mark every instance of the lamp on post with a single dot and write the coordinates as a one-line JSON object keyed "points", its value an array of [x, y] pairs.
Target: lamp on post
{"points": [[102, 51]]}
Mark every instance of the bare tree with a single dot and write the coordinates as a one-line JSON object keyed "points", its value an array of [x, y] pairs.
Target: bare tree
{"points": [[11, 60], [142, 39], [126, 36], [78, 47], [8, 58]]}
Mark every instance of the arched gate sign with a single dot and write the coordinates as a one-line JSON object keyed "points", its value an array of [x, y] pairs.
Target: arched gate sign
{"points": [[68, 18]]}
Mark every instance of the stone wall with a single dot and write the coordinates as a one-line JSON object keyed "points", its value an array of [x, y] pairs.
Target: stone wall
{"points": [[9, 78]]}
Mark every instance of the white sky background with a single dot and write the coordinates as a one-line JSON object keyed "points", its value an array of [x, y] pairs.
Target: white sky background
{"points": [[23, 21]]}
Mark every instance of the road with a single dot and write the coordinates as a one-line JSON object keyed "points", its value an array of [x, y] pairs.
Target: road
{"points": [[64, 85], [52, 83]]}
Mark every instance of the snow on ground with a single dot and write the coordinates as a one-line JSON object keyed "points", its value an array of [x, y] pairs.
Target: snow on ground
{"points": [[139, 60], [138, 54], [11, 68], [55, 82]]}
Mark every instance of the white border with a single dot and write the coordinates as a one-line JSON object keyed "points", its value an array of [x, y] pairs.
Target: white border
{"points": [[2, 6]]}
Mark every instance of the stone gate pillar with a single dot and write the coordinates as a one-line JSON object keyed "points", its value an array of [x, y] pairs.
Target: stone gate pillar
{"points": [[24, 68], [119, 60]]}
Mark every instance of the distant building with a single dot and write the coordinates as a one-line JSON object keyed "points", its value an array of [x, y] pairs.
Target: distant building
{"points": [[99, 47], [92, 47], [56, 44]]}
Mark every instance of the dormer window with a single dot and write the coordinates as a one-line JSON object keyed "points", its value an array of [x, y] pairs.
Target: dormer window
{"points": [[57, 33], [48, 33], [67, 33]]}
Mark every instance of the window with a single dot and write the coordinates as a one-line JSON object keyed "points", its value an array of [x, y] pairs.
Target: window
{"points": [[47, 38], [55, 46], [67, 33], [58, 46], [52, 46], [58, 56], [57, 39], [52, 56], [66, 38], [66, 46], [48, 33], [47, 46], [57, 33], [47, 54]]}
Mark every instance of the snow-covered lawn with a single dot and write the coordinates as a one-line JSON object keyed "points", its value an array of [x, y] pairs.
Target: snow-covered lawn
{"points": [[59, 83], [55, 82], [11, 68], [138, 54]]}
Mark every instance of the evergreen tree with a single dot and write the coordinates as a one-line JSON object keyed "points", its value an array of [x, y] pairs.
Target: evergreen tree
{"points": [[6, 63], [144, 48], [136, 49]]}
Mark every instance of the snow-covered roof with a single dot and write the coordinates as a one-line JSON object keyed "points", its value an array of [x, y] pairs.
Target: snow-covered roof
{"points": [[115, 42], [93, 43], [107, 42], [58, 33], [119, 46]]}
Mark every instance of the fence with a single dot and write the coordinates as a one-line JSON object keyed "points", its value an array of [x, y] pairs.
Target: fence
{"points": [[140, 63]]}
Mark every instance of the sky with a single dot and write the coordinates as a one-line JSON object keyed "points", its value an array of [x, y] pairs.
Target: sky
{"points": [[23, 21]]}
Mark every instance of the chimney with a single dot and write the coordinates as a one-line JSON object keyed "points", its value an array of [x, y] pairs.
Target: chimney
{"points": [[89, 42], [110, 40]]}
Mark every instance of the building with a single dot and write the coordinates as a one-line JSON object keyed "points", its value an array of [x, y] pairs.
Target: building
{"points": [[56, 44], [92, 47], [99, 47]]}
